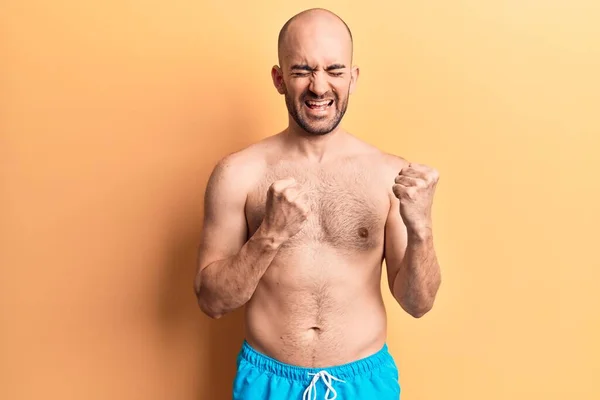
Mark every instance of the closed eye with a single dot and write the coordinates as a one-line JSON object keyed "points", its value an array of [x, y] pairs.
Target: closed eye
{"points": [[336, 69], [305, 74]]}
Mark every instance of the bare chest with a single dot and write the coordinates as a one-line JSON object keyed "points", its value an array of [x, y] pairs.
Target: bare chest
{"points": [[348, 206]]}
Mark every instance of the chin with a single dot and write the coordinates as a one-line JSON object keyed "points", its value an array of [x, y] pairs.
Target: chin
{"points": [[318, 130], [318, 127]]}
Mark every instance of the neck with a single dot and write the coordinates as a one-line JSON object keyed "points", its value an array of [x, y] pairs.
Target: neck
{"points": [[313, 147]]}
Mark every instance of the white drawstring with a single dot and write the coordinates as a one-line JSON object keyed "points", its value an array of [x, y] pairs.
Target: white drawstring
{"points": [[312, 388]]}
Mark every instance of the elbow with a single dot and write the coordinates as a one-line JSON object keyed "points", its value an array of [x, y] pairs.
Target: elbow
{"points": [[206, 306], [211, 313], [209, 309], [419, 303], [418, 308], [424, 303], [419, 311]]}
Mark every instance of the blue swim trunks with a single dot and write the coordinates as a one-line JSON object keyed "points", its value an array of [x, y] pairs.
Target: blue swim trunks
{"points": [[260, 377]]}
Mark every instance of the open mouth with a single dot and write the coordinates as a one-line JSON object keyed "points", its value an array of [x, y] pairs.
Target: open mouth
{"points": [[318, 105]]}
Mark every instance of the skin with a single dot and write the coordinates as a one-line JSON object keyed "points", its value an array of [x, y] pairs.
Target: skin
{"points": [[296, 226]]}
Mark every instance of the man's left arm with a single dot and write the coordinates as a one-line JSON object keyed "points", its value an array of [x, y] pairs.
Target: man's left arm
{"points": [[413, 270]]}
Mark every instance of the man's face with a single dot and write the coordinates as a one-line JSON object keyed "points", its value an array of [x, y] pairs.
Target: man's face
{"points": [[316, 77]]}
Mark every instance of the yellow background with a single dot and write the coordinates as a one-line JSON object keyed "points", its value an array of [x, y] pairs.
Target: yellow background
{"points": [[112, 114]]}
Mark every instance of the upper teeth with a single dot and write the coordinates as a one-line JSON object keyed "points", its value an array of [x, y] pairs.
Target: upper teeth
{"points": [[319, 103]]}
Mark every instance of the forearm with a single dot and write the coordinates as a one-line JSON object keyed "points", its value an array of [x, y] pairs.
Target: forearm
{"points": [[418, 279], [228, 284]]}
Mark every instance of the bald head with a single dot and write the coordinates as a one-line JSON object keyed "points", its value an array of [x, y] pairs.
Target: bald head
{"points": [[311, 20], [315, 71]]}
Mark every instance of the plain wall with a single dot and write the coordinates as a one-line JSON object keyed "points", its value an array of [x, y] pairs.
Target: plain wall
{"points": [[113, 113]]}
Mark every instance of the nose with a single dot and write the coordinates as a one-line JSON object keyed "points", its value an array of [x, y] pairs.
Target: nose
{"points": [[319, 84]]}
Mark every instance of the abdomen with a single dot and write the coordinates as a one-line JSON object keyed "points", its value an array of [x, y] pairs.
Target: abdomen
{"points": [[317, 308]]}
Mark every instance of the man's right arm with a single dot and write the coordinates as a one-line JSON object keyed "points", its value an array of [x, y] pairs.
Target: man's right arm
{"points": [[229, 265]]}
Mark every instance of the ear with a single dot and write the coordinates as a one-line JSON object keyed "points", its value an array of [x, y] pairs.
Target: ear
{"points": [[354, 78], [277, 76]]}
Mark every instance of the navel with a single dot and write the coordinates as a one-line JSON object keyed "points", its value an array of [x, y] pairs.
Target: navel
{"points": [[313, 333]]}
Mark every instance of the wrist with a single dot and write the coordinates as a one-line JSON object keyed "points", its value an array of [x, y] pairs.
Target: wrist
{"points": [[419, 232], [266, 239]]}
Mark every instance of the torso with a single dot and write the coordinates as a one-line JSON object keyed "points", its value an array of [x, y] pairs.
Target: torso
{"points": [[319, 302]]}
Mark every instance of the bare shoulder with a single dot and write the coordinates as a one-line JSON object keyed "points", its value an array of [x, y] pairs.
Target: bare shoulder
{"points": [[392, 162], [388, 167], [240, 169]]}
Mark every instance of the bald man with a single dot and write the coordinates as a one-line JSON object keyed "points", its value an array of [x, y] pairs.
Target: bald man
{"points": [[296, 228]]}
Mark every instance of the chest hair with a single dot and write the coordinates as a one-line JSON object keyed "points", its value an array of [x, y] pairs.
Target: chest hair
{"points": [[348, 206]]}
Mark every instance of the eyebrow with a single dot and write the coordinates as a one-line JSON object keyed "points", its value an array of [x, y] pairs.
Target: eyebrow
{"points": [[302, 67], [335, 66], [305, 67]]}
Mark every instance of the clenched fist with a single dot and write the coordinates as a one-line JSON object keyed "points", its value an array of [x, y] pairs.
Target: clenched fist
{"points": [[286, 210], [415, 187]]}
